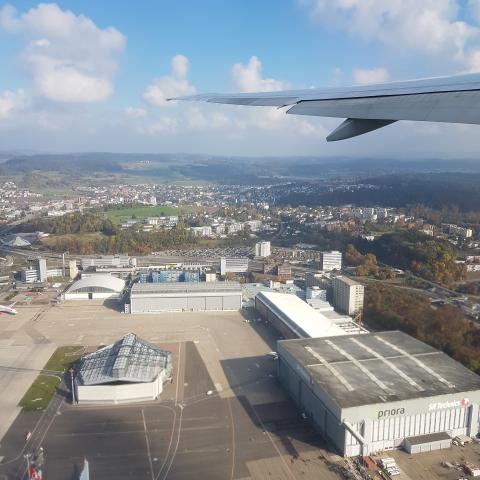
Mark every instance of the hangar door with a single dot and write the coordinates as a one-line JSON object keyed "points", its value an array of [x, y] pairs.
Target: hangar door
{"points": [[169, 303], [196, 303], [213, 303], [232, 302]]}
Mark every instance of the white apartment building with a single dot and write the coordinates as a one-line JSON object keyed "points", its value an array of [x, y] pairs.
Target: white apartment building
{"points": [[72, 269], [262, 249], [42, 269], [347, 295], [331, 261], [234, 265], [29, 275]]}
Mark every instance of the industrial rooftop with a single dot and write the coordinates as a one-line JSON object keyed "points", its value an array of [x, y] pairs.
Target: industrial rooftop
{"points": [[130, 359], [357, 370], [300, 316], [184, 287]]}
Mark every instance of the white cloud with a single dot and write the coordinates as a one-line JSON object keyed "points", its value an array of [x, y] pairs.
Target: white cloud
{"points": [[248, 78], [69, 58], [11, 102], [211, 118], [173, 85], [179, 66], [162, 126], [429, 27], [195, 118], [136, 112], [367, 77]]}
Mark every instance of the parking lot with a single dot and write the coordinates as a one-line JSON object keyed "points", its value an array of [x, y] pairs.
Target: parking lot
{"points": [[206, 253], [246, 427]]}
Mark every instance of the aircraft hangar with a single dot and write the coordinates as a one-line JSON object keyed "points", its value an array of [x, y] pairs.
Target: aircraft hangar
{"points": [[379, 391]]}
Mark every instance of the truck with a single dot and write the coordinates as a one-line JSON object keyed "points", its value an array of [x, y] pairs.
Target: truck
{"points": [[389, 465], [472, 469]]}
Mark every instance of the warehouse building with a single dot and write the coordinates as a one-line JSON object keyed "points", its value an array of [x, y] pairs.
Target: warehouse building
{"points": [[129, 370], [380, 391], [293, 317], [95, 286], [185, 296]]}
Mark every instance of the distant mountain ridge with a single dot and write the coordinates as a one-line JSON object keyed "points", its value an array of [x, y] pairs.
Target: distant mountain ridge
{"points": [[226, 168]]}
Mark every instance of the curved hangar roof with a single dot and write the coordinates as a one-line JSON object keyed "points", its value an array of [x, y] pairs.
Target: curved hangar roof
{"points": [[107, 283]]}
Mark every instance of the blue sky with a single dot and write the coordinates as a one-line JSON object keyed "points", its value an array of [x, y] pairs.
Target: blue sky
{"points": [[91, 75]]}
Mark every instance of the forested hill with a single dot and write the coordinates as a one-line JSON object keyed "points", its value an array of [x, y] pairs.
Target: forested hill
{"points": [[428, 257], [79, 163], [435, 190]]}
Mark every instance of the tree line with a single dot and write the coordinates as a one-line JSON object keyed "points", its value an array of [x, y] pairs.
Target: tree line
{"points": [[445, 328], [133, 240], [75, 222]]}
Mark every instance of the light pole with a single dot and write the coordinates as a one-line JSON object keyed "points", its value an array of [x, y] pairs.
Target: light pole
{"points": [[73, 386]]}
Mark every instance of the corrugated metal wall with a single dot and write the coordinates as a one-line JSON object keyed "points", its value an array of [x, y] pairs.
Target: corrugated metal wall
{"points": [[322, 419], [453, 420], [186, 303]]}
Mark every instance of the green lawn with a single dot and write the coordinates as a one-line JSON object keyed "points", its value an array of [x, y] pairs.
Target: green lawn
{"points": [[118, 214], [41, 391]]}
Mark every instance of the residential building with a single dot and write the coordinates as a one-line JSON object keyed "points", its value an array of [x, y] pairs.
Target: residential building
{"points": [[347, 295], [73, 269], [331, 261], [29, 275], [284, 270], [262, 249], [42, 269]]}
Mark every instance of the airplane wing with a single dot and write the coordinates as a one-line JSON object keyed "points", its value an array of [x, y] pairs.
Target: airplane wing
{"points": [[454, 99]]}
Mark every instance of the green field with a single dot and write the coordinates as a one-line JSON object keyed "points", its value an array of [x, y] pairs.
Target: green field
{"points": [[118, 214], [52, 240], [41, 391]]}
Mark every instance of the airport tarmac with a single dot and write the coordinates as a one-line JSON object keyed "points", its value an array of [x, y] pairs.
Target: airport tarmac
{"points": [[246, 428]]}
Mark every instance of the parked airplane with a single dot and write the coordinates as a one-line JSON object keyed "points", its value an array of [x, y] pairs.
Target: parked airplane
{"points": [[454, 99], [10, 310]]}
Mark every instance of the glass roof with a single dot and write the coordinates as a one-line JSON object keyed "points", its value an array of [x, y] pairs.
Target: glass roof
{"points": [[130, 359]]}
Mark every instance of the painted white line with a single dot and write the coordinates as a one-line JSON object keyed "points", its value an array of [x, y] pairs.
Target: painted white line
{"points": [[148, 445]]}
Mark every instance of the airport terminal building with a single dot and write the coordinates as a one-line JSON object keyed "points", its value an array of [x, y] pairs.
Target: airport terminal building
{"points": [[380, 391]]}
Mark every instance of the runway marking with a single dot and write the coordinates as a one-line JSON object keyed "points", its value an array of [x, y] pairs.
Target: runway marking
{"points": [[178, 442], [148, 445], [232, 423], [129, 432], [174, 420]]}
